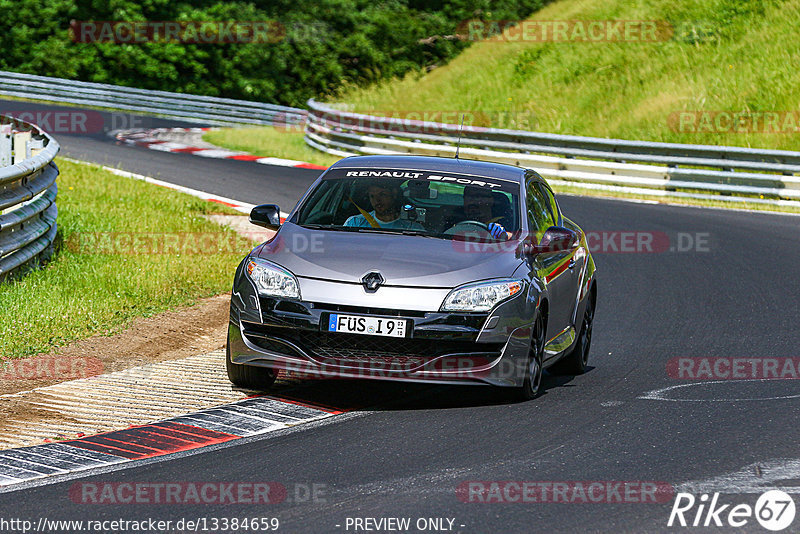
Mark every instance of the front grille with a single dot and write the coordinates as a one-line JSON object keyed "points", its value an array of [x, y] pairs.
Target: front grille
{"points": [[343, 343], [363, 350], [355, 358]]}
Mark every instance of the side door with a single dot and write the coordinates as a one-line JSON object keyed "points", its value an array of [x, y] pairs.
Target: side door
{"points": [[552, 269], [571, 274]]}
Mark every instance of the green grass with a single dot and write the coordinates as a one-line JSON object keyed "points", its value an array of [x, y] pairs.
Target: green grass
{"points": [[726, 55], [81, 292], [269, 142]]}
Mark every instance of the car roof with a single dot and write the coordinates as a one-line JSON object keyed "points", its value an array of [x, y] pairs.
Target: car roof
{"points": [[431, 163]]}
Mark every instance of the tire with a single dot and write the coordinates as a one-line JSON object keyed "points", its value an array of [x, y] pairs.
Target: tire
{"points": [[575, 362], [248, 376], [534, 366]]}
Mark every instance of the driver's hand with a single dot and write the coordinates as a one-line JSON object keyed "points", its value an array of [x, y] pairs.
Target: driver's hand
{"points": [[496, 230]]}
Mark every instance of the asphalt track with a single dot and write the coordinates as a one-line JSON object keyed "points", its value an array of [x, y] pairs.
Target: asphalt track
{"points": [[404, 450]]}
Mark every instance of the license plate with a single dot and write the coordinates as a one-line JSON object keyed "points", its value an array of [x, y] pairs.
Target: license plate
{"points": [[372, 326]]}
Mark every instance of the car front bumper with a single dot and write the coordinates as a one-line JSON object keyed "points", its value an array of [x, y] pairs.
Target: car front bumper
{"points": [[469, 348]]}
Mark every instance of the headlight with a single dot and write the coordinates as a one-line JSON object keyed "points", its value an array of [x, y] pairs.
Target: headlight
{"points": [[272, 280], [481, 296]]}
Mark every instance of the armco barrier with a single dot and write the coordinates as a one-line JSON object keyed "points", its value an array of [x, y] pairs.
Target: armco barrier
{"points": [[664, 169], [667, 169], [27, 195], [190, 108]]}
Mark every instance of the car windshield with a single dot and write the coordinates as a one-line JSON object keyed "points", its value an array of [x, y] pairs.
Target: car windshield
{"points": [[441, 205]]}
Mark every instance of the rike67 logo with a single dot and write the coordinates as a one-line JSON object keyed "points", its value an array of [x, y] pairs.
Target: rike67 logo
{"points": [[774, 510]]}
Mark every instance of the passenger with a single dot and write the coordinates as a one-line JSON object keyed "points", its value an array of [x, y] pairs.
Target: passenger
{"points": [[386, 199]]}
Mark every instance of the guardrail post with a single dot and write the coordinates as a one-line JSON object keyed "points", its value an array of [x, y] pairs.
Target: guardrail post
{"points": [[5, 145], [33, 147], [20, 140]]}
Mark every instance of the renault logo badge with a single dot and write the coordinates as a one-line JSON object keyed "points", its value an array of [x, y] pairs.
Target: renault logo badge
{"points": [[372, 281]]}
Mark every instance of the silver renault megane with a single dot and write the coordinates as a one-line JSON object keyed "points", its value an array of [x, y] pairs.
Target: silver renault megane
{"points": [[417, 269]]}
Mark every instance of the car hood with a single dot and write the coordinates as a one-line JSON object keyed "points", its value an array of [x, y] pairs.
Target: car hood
{"points": [[402, 260]]}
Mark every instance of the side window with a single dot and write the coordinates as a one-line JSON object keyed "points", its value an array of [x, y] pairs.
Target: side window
{"points": [[539, 215], [551, 203]]}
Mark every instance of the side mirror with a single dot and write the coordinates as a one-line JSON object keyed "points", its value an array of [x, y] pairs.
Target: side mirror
{"points": [[266, 215], [555, 239]]}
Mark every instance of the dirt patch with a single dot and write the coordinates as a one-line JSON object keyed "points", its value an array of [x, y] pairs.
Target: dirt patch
{"points": [[166, 336], [171, 335]]}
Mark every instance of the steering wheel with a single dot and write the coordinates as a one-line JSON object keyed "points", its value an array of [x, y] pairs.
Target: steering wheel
{"points": [[467, 226]]}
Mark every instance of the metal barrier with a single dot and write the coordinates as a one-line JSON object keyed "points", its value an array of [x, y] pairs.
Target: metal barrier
{"points": [[190, 108], [27, 195], [665, 169]]}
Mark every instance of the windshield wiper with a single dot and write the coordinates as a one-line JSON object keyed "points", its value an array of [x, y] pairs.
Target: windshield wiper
{"points": [[421, 233], [369, 229], [319, 226]]}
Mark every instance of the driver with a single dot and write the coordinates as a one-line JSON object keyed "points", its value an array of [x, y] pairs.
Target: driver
{"points": [[478, 204], [385, 197]]}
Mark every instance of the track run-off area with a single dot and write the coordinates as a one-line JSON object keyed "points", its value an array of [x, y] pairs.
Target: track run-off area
{"points": [[690, 389]]}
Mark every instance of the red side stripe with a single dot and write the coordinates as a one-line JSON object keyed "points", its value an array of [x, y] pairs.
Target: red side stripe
{"points": [[559, 270]]}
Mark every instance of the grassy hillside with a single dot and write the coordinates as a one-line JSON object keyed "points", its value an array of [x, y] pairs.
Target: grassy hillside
{"points": [[725, 56]]}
